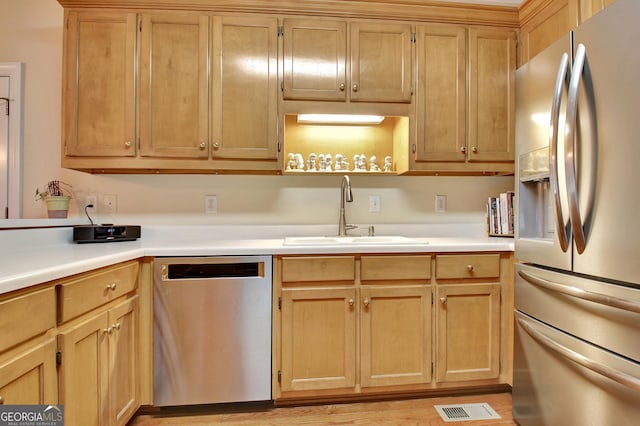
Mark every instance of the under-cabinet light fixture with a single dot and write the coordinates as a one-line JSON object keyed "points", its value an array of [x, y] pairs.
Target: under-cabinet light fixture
{"points": [[339, 119]]}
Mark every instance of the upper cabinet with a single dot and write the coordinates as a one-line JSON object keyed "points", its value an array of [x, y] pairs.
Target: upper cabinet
{"points": [[492, 66], [207, 98], [245, 89], [219, 89], [544, 21], [335, 60], [173, 86], [465, 100], [98, 106]]}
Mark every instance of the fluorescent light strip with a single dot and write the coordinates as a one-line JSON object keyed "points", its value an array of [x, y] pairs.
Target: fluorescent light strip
{"points": [[339, 119]]}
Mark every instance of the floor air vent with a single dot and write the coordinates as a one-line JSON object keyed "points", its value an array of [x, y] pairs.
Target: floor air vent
{"points": [[463, 412]]}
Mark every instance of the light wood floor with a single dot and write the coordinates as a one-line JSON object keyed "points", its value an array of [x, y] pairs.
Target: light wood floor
{"points": [[404, 412]]}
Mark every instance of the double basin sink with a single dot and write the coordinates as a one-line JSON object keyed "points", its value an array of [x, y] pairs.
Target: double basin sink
{"points": [[351, 240]]}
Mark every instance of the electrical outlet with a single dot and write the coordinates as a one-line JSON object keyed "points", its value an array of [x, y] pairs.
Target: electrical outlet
{"points": [[210, 204], [93, 201], [441, 203], [374, 203], [110, 203]]}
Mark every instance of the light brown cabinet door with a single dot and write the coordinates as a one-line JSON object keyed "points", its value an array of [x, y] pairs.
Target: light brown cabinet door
{"points": [[315, 53], [588, 8], [395, 334], [441, 93], [99, 84], [381, 67], [245, 88], [492, 64], [173, 95], [468, 332], [84, 372], [318, 339], [98, 374], [124, 397], [30, 377]]}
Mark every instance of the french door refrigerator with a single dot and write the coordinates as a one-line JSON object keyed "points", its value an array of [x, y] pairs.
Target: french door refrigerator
{"points": [[577, 239]]}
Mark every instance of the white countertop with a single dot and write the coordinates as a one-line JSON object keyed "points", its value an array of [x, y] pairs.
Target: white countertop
{"points": [[33, 256]]}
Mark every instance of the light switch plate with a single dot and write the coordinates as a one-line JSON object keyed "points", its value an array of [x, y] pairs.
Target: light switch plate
{"points": [[210, 204], [441, 203], [374, 203]]}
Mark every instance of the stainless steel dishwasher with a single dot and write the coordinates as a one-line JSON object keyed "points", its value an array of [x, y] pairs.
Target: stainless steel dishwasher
{"points": [[212, 330]]}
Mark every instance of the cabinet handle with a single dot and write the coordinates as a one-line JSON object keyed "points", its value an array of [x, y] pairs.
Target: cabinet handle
{"points": [[127, 144], [108, 330], [474, 149], [116, 326], [413, 148], [111, 286], [366, 303], [1, 400], [470, 268], [355, 87], [202, 145], [350, 302], [216, 145], [443, 300], [342, 86], [463, 149]]}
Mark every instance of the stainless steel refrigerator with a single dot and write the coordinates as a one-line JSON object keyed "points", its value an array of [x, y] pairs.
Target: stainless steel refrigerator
{"points": [[577, 239]]}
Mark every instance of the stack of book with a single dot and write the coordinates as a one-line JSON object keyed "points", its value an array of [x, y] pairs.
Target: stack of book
{"points": [[500, 214]]}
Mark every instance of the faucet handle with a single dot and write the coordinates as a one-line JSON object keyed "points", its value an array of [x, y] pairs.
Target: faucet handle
{"points": [[372, 231], [347, 227]]}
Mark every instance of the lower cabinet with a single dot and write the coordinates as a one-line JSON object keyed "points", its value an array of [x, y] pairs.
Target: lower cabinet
{"points": [[318, 339], [349, 324], [29, 377], [98, 383], [395, 335], [468, 345], [356, 324]]}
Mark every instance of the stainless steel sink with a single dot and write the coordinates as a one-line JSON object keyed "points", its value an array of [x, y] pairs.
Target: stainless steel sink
{"points": [[350, 240]]}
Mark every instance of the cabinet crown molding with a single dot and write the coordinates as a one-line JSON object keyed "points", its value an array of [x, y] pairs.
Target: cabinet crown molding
{"points": [[408, 10]]}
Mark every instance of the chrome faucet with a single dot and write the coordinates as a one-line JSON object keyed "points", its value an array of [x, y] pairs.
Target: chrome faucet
{"points": [[345, 194]]}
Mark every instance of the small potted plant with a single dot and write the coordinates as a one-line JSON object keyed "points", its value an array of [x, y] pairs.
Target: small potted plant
{"points": [[57, 195]]}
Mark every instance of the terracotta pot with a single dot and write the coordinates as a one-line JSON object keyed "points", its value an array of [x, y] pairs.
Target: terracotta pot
{"points": [[57, 206]]}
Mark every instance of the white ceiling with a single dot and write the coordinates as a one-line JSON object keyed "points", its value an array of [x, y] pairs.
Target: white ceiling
{"points": [[490, 2]]}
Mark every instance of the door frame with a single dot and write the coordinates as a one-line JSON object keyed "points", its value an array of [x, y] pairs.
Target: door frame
{"points": [[15, 72]]}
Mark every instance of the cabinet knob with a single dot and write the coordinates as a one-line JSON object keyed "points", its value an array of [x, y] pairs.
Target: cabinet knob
{"points": [[443, 300], [470, 268], [108, 330], [128, 144], [366, 303], [1, 399], [474, 149], [355, 87], [202, 145], [350, 302], [116, 326], [111, 286], [463, 149], [342, 86], [216, 145]]}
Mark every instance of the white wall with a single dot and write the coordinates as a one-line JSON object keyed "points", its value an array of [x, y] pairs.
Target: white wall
{"points": [[31, 32]]}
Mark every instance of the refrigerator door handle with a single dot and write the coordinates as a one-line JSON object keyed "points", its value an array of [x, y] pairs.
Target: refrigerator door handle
{"points": [[602, 299], [564, 231], [571, 160], [595, 366]]}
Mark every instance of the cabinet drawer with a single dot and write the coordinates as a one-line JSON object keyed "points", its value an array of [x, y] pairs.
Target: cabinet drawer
{"points": [[395, 268], [25, 316], [93, 289], [468, 266], [318, 268]]}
